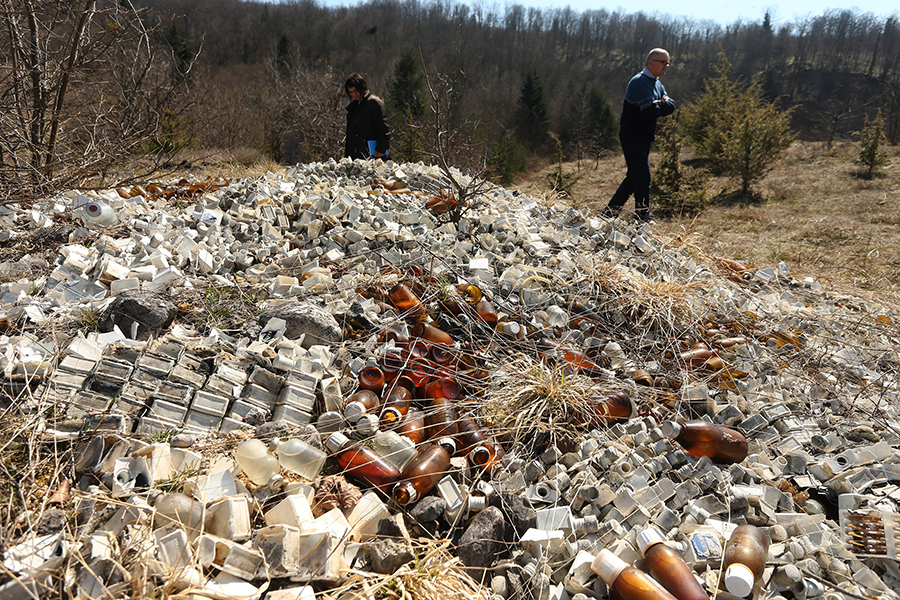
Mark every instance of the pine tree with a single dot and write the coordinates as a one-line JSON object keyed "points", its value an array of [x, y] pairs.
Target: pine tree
{"points": [[406, 88], [533, 114], [868, 144], [736, 127]]}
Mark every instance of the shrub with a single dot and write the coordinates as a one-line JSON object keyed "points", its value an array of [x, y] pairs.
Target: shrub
{"points": [[736, 127], [507, 159], [677, 189], [868, 145]]}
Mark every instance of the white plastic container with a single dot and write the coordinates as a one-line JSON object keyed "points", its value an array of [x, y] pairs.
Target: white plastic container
{"points": [[98, 214]]}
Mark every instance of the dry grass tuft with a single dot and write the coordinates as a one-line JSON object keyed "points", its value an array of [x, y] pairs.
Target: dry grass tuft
{"points": [[436, 575]]}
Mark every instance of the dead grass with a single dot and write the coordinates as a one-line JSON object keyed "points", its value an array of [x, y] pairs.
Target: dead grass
{"points": [[814, 212]]}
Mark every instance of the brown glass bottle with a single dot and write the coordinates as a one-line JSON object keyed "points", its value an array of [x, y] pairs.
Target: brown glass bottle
{"points": [[440, 419], [486, 313], [440, 355], [429, 332], [396, 405], [419, 371], [442, 387], [406, 301], [668, 568], [697, 355], [627, 583], [371, 377], [413, 427], [392, 363], [744, 559], [487, 457], [360, 403], [421, 474], [468, 435], [397, 333], [700, 438], [616, 408], [361, 462]]}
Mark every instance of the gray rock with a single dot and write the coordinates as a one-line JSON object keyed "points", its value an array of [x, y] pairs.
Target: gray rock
{"points": [[256, 416], [182, 440], [428, 510], [151, 314], [52, 520], [304, 318], [273, 428], [483, 541], [393, 527], [517, 512], [386, 556]]}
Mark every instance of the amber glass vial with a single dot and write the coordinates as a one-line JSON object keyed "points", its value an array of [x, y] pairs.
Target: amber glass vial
{"points": [[668, 568], [616, 408], [440, 419], [627, 583], [361, 462], [413, 427], [745, 559], [360, 403], [700, 438], [421, 474], [406, 301], [432, 334]]}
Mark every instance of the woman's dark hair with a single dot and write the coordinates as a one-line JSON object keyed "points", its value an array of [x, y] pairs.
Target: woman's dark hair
{"points": [[356, 81]]}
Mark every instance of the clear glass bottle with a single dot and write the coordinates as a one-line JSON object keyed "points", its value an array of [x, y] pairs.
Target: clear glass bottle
{"points": [[406, 301], [394, 448], [422, 474], [701, 438], [625, 582], [744, 559], [360, 403], [297, 456], [668, 568], [361, 462], [254, 459]]}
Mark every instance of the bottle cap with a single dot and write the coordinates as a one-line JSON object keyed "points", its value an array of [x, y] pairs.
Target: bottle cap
{"points": [[353, 411], [329, 422], [608, 566], [648, 537], [739, 580], [367, 425], [448, 444], [669, 429], [336, 441]]}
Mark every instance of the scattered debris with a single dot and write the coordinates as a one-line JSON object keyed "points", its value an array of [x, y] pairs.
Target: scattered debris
{"points": [[313, 384]]}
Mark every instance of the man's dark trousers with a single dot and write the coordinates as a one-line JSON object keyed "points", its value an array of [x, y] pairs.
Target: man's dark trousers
{"points": [[637, 178]]}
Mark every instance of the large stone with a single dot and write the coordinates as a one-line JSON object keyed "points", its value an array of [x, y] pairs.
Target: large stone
{"points": [[149, 314], [386, 556], [483, 541], [517, 512], [303, 318], [428, 510]]}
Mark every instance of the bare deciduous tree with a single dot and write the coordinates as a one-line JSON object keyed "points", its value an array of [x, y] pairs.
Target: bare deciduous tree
{"points": [[81, 85]]}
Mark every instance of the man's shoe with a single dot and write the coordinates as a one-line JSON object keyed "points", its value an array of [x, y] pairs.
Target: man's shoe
{"points": [[644, 217]]}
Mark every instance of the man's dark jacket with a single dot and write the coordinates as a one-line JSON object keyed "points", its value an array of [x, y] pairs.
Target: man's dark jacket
{"points": [[366, 120]]}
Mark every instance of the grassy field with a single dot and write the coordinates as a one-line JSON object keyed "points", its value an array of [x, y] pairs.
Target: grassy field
{"points": [[813, 211]]}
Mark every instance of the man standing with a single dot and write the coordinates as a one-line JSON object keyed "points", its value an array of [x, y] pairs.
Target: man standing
{"points": [[645, 102], [368, 134]]}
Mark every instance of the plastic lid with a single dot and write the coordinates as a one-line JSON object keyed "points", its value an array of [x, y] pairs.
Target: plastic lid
{"points": [[354, 411], [739, 580], [367, 425], [608, 566], [669, 429], [648, 537], [336, 441]]}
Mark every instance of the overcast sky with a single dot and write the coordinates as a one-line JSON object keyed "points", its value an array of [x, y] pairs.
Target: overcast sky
{"points": [[724, 12]]}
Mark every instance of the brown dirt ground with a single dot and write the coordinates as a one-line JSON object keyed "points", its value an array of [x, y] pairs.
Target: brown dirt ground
{"points": [[813, 211]]}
